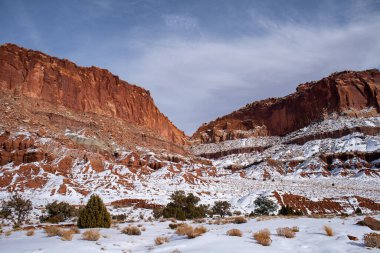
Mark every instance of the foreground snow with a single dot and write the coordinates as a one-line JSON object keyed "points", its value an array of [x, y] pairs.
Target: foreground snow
{"points": [[311, 238]]}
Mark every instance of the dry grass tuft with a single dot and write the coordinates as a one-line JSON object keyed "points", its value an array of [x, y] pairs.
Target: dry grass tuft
{"points": [[8, 233], [189, 231], [263, 237], [234, 232], [286, 232], [329, 231], [30, 232], [131, 230], [240, 220], [372, 240], [161, 240], [67, 235], [295, 229], [53, 231], [75, 230], [91, 235]]}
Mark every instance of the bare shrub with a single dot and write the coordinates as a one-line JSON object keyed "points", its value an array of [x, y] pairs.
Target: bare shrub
{"points": [[67, 235], [131, 230], [286, 232], [75, 230], [234, 232], [161, 240], [329, 231], [295, 229], [183, 228], [240, 220], [189, 231], [30, 232], [53, 231], [372, 240], [8, 233], [263, 237], [91, 235]]}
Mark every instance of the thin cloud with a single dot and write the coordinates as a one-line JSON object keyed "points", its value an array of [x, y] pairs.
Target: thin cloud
{"points": [[196, 81]]}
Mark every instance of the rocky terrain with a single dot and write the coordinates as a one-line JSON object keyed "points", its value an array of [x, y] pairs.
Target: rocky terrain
{"points": [[68, 131]]}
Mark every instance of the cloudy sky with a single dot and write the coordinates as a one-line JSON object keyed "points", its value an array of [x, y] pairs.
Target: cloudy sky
{"points": [[202, 58]]}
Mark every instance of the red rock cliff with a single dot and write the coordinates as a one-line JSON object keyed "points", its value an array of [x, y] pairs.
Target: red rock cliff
{"points": [[91, 90], [338, 93]]}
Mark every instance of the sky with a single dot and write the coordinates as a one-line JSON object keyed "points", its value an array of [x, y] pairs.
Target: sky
{"points": [[202, 59]]}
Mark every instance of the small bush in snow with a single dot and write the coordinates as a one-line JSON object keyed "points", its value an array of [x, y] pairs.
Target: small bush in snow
{"points": [[131, 230], [58, 212], [190, 232], [67, 235], [358, 211], [372, 240], [75, 230], [30, 232], [286, 232], [91, 235], [184, 207], [8, 233], [288, 210], [161, 240], [329, 231], [234, 232], [264, 206], [221, 208], [240, 220], [53, 231], [16, 209], [295, 229], [263, 237]]}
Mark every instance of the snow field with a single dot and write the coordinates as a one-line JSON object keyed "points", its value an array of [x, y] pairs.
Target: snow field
{"points": [[310, 238]]}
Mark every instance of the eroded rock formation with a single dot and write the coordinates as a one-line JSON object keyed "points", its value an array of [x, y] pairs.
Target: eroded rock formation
{"points": [[344, 93]]}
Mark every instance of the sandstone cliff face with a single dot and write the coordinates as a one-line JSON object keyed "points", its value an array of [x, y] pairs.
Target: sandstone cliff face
{"points": [[83, 90], [344, 92]]}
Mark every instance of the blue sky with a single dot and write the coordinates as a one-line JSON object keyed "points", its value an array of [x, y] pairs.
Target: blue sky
{"points": [[202, 59]]}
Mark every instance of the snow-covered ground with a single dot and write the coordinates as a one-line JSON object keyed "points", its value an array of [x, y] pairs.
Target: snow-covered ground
{"points": [[311, 238]]}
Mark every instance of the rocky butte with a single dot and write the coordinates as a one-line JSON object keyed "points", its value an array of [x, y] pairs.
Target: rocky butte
{"points": [[345, 92], [92, 90]]}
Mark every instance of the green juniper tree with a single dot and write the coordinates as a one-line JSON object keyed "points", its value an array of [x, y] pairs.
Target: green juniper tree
{"points": [[94, 215]]}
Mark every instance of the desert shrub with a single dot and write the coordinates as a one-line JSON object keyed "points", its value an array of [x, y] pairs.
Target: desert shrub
{"points": [[16, 209], [91, 235], [184, 207], [372, 240], [221, 208], [263, 237], [161, 240], [58, 212], [119, 217], [94, 215], [67, 235], [30, 232], [358, 211], [175, 225], [329, 231], [157, 213], [189, 231], [234, 232], [288, 210], [183, 228], [295, 229], [286, 232], [53, 231], [240, 220], [264, 206], [75, 230], [131, 230]]}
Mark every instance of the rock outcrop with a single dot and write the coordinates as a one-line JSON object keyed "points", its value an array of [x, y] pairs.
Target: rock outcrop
{"points": [[90, 90], [345, 92]]}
